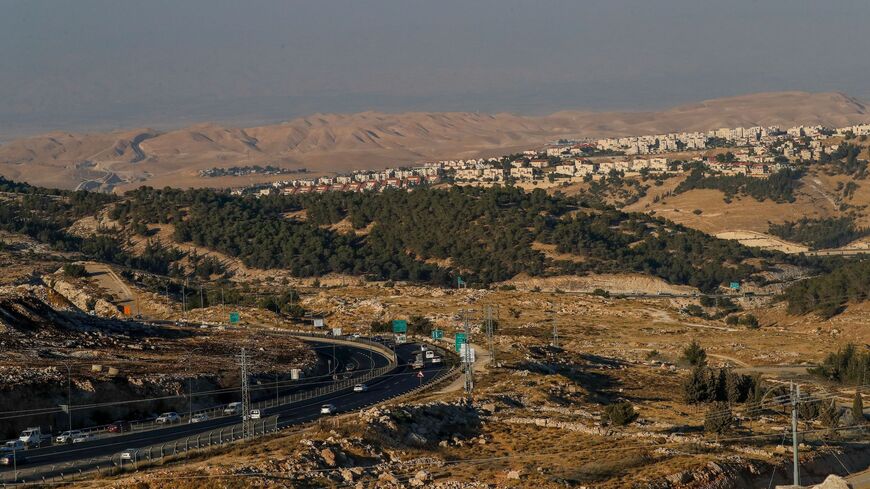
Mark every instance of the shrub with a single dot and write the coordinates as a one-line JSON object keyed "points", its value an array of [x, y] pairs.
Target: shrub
{"points": [[858, 409], [620, 413], [694, 355], [829, 415], [749, 321], [74, 270], [718, 418]]}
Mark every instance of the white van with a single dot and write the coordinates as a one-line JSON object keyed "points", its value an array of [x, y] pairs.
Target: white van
{"points": [[233, 409]]}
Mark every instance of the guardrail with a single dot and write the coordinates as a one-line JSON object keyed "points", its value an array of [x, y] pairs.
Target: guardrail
{"points": [[210, 438], [221, 436], [218, 410]]}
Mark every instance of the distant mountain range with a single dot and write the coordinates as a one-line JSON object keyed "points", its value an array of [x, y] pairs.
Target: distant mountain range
{"points": [[340, 142]]}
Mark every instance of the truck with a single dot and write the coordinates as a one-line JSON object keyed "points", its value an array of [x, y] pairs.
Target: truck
{"points": [[233, 409], [418, 362], [33, 436]]}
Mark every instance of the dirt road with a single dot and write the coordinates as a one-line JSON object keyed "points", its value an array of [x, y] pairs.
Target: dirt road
{"points": [[106, 278]]}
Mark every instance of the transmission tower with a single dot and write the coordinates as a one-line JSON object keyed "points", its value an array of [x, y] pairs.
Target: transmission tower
{"points": [[490, 331], [469, 370], [242, 359]]}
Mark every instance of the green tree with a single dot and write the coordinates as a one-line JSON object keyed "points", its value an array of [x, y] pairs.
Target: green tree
{"points": [[694, 354], [858, 409], [697, 388], [719, 419], [420, 325]]}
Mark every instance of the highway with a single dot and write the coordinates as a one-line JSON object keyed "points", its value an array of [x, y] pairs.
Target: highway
{"points": [[53, 460]]}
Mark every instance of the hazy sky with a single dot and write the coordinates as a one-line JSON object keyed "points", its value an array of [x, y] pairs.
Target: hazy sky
{"points": [[86, 64]]}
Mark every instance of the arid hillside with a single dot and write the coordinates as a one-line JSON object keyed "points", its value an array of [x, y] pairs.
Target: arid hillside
{"points": [[337, 142]]}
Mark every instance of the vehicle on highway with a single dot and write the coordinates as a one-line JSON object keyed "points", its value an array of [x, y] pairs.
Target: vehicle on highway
{"points": [[429, 354], [130, 454], [418, 362], [436, 359], [255, 414], [33, 436], [67, 436], [83, 437], [354, 336], [360, 388], [12, 446], [349, 367], [168, 418], [13, 458], [233, 409], [119, 426], [327, 409], [199, 418]]}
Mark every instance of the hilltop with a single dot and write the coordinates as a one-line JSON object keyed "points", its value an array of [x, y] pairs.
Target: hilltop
{"points": [[326, 143]]}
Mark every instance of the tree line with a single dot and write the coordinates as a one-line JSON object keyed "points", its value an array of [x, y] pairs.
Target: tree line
{"points": [[435, 235], [820, 233]]}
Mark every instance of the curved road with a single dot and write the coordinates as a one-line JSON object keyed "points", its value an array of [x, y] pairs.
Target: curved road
{"points": [[54, 460]]}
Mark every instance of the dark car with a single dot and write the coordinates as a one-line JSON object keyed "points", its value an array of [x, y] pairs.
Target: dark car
{"points": [[12, 458], [119, 427]]}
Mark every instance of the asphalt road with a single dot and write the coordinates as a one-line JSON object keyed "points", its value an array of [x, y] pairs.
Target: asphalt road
{"points": [[52, 460]]}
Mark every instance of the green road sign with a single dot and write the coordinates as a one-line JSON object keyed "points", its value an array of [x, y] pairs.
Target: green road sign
{"points": [[234, 317], [459, 340], [437, 334], [400, 326], [735, 285]]}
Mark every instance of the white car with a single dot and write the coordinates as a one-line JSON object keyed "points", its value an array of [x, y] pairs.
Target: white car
{"points": [[199, 418], [67, 436], [436, 359], [168, 418], [429, 354], [83, 437], [360, 388], [255, 414], [130, 454], [327, 409], [12, 446]]}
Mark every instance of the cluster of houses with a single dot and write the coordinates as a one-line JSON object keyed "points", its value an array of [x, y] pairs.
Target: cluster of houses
{"points": [[757, 137], [755, 151], [353, 182], [537, 168]]}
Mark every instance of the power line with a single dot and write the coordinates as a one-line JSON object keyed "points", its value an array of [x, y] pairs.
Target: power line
{"points": [[247, 432]]}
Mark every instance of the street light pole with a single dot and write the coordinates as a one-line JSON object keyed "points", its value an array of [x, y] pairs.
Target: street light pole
{"points": [[69, 394]]}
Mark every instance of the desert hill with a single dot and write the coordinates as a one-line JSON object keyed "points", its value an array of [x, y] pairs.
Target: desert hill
{"points": [[338, 142]]}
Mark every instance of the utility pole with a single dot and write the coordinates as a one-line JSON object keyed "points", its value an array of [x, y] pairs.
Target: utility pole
{"points": [[469, 371], [489, 334], [795, 394], [184, 301], [201, 302], [69, 394], [242, 359], [555, 331]]}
